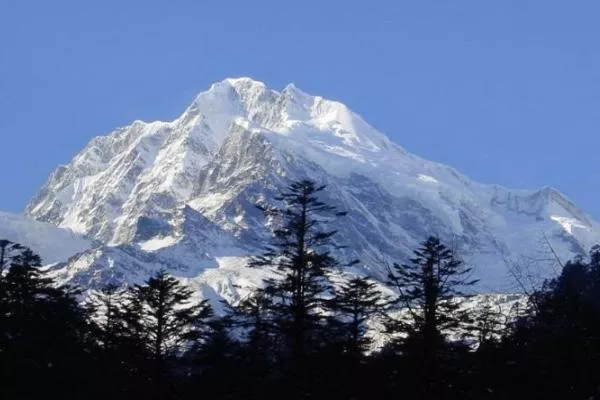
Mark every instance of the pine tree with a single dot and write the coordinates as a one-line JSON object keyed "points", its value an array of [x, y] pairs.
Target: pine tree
{"points": [[299, 252], [431, 288], [260, 343], [489, 323], [252, 315], [120, 355], [341, 364], [357, 301], [44, 332], [553, 351], [107, 305], [25, 278], [215, 360], [162, 315]]}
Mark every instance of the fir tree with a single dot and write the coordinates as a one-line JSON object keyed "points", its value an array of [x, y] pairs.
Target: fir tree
{"points": [[120, 355], [430, 291], [300, 254], [161, 314], [553, 351], [253, 316], [44, 332], [357, 301], [260, 343], [430, 288], [489, 323], [107, 305], [215, 360]]}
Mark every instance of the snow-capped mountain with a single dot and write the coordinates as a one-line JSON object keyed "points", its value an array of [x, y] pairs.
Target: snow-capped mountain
{"points": [[182, 194]]}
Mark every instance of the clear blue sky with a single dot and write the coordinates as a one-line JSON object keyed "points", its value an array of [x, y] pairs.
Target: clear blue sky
{"points": [[506, 91]]}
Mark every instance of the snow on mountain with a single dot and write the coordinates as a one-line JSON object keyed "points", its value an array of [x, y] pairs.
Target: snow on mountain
{"points": [[182, 194], [51, 243]]}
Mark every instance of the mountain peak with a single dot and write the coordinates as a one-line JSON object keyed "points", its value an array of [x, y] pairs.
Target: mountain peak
{"points": [[239, 140], [292, 89], [242, 86], [243, 81]]}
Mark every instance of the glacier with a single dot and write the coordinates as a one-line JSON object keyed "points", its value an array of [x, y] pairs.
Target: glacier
{"points": [[182, 195]]}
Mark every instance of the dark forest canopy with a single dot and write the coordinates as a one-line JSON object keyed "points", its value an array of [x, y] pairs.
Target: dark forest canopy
{"points": [[299, 335]]}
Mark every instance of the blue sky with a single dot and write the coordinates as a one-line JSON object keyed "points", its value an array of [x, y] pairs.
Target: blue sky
{"points": [[506, 91]]}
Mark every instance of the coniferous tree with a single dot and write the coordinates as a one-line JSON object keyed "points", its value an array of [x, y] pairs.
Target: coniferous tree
{"points": [[357, 301], [162, 314], [254, 317], [430, 288], [342, 364], [260, 342], [44, 332], [120, 354], [553, 351], [299, 253], [489, 324], [214, 361], [107, 305]]}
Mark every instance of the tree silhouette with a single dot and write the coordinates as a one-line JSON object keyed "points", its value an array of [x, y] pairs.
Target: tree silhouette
{"points": [[430, 290], [162, 314], [44, 332], [357, 301], [300, 254]]}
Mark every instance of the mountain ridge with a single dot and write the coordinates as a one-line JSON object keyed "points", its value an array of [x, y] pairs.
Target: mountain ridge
{"points": [[239, 141]]}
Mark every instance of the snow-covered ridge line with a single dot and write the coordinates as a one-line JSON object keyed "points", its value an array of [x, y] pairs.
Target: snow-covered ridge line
{"points": [[182, 193]]}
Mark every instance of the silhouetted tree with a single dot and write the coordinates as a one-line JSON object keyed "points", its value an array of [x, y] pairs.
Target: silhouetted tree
{"points": [[121, 356], [489, 324], [44, 333], [214, 361], [162, 314], [253, 316], [259, 343], [355, 302], [430, 290], [555, 349], [299, 253], [107, 305]]}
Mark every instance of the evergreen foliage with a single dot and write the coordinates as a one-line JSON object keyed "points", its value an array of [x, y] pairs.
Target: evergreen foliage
{"points": [[44, 332], [300, 254], [355, 303], [430, 288], [163, 318], [298, 336]]}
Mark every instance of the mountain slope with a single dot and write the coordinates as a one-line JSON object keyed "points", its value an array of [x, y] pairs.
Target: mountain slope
{"points": [[182, 193], [51, 243]]}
